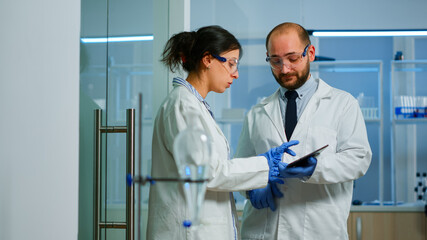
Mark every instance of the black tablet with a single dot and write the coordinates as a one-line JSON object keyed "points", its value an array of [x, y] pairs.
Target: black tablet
{"points": [[301, 161]]}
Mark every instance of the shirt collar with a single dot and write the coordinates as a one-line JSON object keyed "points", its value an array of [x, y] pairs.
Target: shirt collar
{"points": [[181, 82], [303, 90]]}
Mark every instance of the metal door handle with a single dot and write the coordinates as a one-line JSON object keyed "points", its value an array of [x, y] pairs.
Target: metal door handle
{"points": [[129, 129]]}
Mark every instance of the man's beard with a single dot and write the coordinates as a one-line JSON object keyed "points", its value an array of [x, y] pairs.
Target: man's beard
{"points": [[300, 79]]}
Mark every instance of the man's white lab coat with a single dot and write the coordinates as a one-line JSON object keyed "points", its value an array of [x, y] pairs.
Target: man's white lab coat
{"points": [[317, 208]]}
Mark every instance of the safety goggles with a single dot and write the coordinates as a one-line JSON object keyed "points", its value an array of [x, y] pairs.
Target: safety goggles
{"points": [[290, 61], [232, 63]]}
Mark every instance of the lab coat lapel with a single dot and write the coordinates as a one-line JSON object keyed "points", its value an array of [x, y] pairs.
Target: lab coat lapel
{"points": [[222, 134], [272, 109], [323, 92], [218, 129]]}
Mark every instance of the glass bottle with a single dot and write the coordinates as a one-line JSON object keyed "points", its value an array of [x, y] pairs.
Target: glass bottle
{"points": [[192, 152]]}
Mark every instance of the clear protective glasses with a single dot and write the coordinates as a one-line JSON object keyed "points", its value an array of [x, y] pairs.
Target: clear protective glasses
{"points": [[233, 64], [290, 61]]}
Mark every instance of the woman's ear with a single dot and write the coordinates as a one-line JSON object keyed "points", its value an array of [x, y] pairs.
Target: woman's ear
{"points": [[207, 60]]}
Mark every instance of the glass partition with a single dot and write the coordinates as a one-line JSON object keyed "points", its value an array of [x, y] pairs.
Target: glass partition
{"points": [[365, 81], [409, 118], [116, 75]]}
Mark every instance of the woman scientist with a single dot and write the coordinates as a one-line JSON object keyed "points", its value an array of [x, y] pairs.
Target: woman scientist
{"points": [[210, 55]]}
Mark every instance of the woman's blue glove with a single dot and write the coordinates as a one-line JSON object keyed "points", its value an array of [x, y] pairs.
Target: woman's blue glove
{"points": [[264, 197], [299, 171], [274, 157]]}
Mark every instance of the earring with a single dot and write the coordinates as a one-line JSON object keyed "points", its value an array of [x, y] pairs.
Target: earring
{"points": [[208, 67]]}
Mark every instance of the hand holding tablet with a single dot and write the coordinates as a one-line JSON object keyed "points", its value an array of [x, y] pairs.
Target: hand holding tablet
{"points": [[301, 161]]}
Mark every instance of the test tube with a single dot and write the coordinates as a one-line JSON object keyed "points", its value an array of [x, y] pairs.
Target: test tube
{"points": [[399, 106], [421, 106]]}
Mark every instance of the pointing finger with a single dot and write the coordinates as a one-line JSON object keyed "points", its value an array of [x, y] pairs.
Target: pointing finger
{"points": [[290, 152], [292, 143]]}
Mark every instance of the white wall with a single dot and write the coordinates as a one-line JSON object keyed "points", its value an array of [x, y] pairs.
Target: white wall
{"points": [[39, 92]]}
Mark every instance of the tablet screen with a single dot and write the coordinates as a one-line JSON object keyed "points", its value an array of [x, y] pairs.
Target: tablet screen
{"points": [[302, 160]]}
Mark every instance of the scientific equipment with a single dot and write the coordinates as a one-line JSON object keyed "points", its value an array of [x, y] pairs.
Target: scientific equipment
{"points": [[398, 56], [421, 187], [410, 106], [367, 106], [192, 151], [421, 107]]}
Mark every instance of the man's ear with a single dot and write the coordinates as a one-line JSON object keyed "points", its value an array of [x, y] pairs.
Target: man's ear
{"points": [[311, 53]]}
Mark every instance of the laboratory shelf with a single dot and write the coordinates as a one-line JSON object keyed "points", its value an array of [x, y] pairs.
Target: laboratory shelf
{"points": [[408, 79], [370, 120], [346, 66], [409, 65], [411, 121], [364, 80], [402, 208]]}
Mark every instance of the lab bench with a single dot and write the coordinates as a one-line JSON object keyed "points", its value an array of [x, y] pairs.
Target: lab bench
{"points": [[387, 222], [383, 222]]}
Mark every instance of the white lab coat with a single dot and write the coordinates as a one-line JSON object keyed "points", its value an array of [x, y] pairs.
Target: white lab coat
{"points": [[318, 208], [167, 207]]}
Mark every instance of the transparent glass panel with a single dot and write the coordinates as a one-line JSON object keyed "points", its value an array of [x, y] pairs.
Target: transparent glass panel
{"points": [[116, 69], [362, 79], [113, 234], [113, 180], [93, 85], [357, 70], [409, 86]]}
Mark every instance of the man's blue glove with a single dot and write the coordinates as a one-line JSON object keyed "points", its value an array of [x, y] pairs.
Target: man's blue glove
{"points": [[263, 197], [274, 157], [275, 190], [299, 171]]}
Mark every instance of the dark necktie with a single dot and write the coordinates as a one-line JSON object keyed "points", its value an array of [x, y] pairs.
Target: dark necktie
{"points": [[291, 113]]}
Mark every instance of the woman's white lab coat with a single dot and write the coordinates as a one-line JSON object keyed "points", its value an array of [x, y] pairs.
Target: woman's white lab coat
{"points": [[167, 208], [317, 208]]}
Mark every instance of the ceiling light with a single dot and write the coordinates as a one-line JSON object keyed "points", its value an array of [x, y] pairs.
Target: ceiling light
{"points": [[118, 39], [367, 33]]}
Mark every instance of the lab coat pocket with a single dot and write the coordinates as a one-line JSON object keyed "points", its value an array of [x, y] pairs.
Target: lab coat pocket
{"points": [[323, 221]]}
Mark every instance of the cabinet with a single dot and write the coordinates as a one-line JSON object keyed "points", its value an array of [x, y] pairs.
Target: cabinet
{"points": [[364, 80], [409, 128], [387, 225]]}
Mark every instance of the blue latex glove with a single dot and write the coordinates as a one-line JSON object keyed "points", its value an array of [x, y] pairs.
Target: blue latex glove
{"points": [[275, 190], [264, 197], [305, 170], [274, 157]]}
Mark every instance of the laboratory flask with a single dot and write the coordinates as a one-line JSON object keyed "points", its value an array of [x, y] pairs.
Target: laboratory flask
{"points": [[193, 151]]}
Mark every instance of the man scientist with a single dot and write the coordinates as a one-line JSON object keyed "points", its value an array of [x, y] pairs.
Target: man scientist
{"points": [[314, 202]]}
